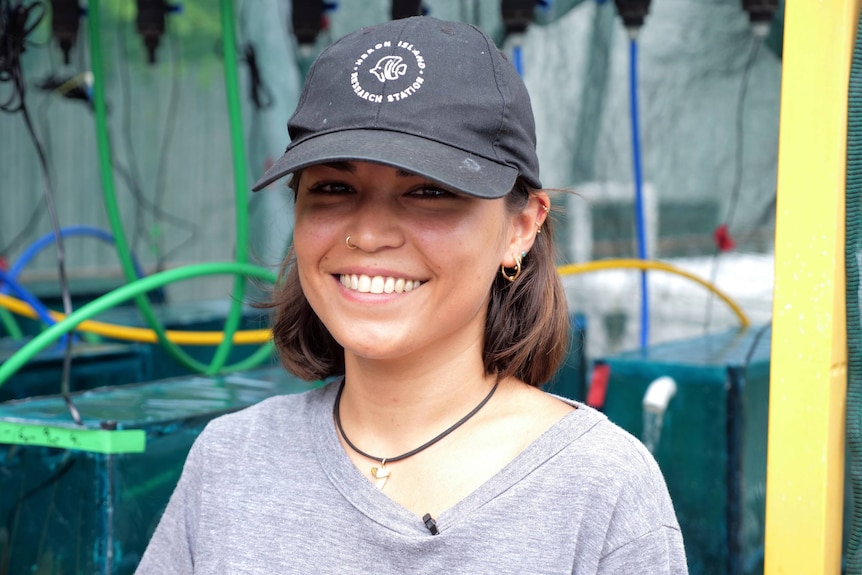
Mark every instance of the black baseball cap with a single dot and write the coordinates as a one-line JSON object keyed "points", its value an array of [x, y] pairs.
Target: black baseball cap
{"points": [[433, 98]]}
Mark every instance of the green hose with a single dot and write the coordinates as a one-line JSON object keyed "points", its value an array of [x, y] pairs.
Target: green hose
{"points": [[240, 178], [109, 192], [852, 253], [110, 197], [12, 328], [127, 292]]}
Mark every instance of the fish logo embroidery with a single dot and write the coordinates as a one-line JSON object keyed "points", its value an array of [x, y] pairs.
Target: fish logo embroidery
{"points": [[389, 68]]}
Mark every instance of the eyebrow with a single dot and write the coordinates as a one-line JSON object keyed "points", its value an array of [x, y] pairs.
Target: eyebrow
{"points": [[351, 168]]}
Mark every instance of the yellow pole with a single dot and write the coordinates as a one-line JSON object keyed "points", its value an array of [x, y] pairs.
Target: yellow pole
{"points": [[808, 382]]}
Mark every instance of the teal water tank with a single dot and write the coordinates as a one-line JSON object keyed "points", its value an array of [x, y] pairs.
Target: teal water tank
{"points": [[86, 499], [93, 365], [570, 379], [712, 441]]}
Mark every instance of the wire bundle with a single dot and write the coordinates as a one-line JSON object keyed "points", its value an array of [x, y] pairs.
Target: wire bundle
{"points": [[17, 21]]}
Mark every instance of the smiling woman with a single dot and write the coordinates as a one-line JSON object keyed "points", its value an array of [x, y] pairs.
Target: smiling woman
{"points": [[422, 282]]}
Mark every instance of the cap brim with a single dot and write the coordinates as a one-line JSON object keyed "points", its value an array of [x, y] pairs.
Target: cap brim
{"points": [[453, 168]]}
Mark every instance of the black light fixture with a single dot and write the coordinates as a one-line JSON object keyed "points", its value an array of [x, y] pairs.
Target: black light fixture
{"points": [[65, 17], [406, 9], [307, 20], [633, 13], [150, 24], [517, 15], [760, 13]]}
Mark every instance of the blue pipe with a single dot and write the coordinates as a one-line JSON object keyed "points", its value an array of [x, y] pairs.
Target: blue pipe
{"points": [[9, 283], [517, 60], [49, 238], [640, 225]]}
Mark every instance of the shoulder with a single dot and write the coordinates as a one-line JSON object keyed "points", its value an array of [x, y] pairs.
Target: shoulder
{"points": [[635, 497], [280, 419], [600, 447]]}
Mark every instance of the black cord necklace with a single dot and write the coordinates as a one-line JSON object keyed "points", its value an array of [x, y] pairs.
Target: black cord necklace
{"points": [[382, 473]]}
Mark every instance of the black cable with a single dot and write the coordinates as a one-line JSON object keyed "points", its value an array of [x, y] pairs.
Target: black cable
{"points": [[756, 42], [15, 26], [161, 170], [126, 129], [52, 480], [61, 262], [259, 92], [754, 343], [25, 233], [130, 173]]}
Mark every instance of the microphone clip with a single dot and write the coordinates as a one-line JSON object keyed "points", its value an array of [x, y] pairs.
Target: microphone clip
{"points": [[430, 524]]}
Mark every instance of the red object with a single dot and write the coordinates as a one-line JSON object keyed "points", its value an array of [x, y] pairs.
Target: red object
{"points": [[4, 265], [723, 241], [599, 385]]}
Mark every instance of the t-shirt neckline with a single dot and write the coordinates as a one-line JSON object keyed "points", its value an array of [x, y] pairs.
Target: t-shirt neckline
{"points": [[377, 506]]}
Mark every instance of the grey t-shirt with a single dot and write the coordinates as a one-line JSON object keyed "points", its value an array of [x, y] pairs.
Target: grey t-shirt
{"points": [[270, 490]]}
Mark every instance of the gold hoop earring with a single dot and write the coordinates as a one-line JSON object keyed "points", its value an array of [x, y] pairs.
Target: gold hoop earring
{"points": [[349, 245], [515, 275]]}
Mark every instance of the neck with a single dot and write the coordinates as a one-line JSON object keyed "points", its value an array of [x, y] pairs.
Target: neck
{"points": [[390, 407]]}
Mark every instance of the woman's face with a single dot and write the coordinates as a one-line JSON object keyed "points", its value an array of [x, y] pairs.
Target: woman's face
{"points": [[420, 274]]}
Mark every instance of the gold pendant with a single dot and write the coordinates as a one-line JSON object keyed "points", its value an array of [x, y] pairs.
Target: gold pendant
{"points": [[381, 474]]}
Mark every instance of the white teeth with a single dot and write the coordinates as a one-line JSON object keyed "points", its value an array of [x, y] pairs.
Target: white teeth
{"points": [[378, 284], [364, 284]]}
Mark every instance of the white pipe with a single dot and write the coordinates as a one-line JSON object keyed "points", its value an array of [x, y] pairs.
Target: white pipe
{"points": [[659, 394]]}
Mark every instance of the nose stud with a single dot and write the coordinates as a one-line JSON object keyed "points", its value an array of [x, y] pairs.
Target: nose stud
{"points": [[349, 245]]}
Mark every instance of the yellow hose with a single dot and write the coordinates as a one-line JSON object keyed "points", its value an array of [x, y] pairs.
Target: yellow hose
{"points": [[260, 336], [572, 269], [144, 335]]}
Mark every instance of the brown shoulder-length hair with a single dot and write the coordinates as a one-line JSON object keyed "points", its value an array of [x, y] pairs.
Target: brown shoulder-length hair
{"points": [[526, 328]]}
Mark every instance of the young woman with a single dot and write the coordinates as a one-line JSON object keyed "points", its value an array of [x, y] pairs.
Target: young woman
{"points": [[422, 282]]}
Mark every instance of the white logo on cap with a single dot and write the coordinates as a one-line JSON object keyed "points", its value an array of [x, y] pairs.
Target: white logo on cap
{"points": [[400, 72], [389, 68]]}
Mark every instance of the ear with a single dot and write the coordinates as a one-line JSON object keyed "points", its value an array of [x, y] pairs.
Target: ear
{"points": [[525, 225]]}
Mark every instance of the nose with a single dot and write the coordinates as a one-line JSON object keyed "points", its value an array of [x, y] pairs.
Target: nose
{"points": [[375, 225]]}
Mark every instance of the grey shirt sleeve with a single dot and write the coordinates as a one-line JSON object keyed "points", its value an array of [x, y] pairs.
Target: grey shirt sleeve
{"points": [[171, 549], [658, 552], [643, 534]]}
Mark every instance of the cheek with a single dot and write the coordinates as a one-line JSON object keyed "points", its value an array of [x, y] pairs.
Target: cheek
{"points": [[311, 235], [470, 253]]}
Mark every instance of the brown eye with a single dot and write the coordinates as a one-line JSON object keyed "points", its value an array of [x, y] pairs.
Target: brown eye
{"points": [[330, 188], [431, 192]]}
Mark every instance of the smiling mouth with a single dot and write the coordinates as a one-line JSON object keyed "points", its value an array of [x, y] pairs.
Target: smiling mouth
{"points": [[377, 284]]}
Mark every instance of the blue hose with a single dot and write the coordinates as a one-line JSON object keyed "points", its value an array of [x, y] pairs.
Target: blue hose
{"points": [[49, 238], [9, 283], [640, 225], [517, 60]]}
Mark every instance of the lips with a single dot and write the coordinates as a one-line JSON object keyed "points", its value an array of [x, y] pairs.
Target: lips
{"points": [[378, 284]]}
